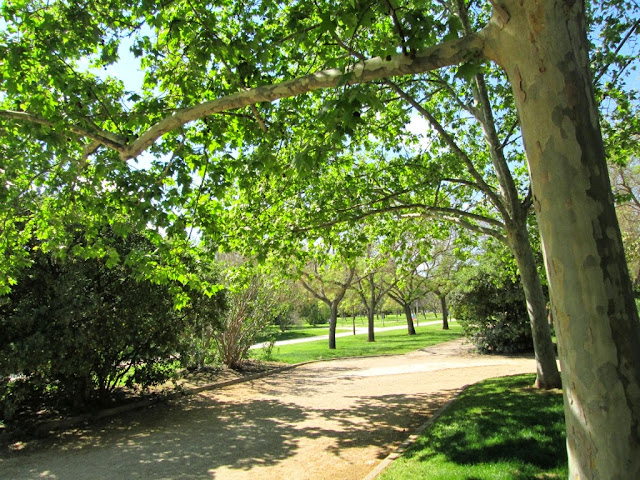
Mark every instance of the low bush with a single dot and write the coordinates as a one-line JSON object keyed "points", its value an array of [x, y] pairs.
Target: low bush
{"points": [[316, 313], [252, 306], [493, 314], [74, 330]]}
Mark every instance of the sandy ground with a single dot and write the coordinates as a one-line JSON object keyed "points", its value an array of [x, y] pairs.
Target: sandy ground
{"points": [[326, 420]]}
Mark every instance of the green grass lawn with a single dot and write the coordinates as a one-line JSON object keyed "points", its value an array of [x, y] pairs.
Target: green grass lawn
{"points": [[292, 333], [344, 324], [388, 321], [390, 342], [498, 429]]}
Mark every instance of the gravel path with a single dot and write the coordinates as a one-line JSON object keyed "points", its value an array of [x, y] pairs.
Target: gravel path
{"points": [[326, 420]]}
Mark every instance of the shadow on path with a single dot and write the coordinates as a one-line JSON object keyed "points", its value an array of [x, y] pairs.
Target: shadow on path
{"points": [[195, 437]]}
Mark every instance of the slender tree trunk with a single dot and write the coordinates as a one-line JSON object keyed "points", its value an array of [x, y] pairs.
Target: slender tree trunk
{"points": [[547, 374], [353, 320], [333, 321], [515, 218], [543, 48], [372, 307], [411, 330], [445, 312], [370, 326]]}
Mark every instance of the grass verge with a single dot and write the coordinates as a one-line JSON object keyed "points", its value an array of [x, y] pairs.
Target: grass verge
{"points": [[389, 342], [497, 429], [345, 324], [291, 333]]}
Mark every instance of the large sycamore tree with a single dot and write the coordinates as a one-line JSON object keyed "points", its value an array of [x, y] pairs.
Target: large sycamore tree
{"points": [[220, 78]]}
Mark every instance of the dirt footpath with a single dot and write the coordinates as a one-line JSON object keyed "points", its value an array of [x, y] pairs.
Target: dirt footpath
{"points": [[327, 420]]}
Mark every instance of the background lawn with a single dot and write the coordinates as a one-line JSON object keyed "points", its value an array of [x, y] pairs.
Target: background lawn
{"points": [[389, 342], [498, 429], [345, 324]]}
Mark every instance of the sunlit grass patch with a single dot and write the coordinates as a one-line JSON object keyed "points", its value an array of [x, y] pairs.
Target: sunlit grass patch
{"points": [[498, 429], [389, 342]]}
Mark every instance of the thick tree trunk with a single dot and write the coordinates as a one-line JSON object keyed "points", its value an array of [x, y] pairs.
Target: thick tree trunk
{"points": [[411, 330], [445, 312], [333, 322], [547, 374], [543, 48]]}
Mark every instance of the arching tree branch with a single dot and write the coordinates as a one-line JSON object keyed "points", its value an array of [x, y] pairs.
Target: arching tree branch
{"points": [[448, 53], [99, 137]]}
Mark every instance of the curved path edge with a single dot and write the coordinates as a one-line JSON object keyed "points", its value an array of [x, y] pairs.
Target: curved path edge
{"points": [[399, 451], [50, 426]]}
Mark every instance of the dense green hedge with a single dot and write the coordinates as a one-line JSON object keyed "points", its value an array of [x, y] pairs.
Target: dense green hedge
{"points": [[492, 311], [75, 330]]}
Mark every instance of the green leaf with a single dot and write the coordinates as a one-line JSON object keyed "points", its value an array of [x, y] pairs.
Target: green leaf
{"points": [[469, 70]]}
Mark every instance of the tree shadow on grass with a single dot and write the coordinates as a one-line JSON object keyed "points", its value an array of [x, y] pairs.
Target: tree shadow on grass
{"points": [[494, 426]]}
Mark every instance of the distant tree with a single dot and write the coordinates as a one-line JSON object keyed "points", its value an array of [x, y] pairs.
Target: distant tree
{"points": [[440, 271], [292, 301], [371, 283], [316, 312], [351, 306], [328, 285], [625, 180]]}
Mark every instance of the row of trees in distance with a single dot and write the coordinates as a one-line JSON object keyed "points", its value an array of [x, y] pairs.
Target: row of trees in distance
{"points": [[78, 326]]}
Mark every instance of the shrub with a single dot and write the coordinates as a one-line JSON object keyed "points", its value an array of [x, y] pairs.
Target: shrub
{"points": [[286, 318], [316, 313], [77, 330], [252, 306], [204, 316], [493, 314]]}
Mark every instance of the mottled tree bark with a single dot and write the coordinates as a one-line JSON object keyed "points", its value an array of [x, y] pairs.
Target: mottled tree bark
{"points": [[543, 48]]}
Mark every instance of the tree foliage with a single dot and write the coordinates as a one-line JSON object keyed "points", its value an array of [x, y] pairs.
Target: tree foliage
{"points": [[328, 278], [204, 314], [490, 305], [75, 330]]}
